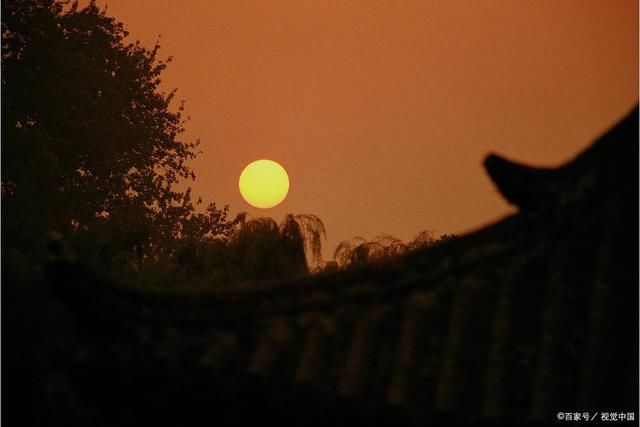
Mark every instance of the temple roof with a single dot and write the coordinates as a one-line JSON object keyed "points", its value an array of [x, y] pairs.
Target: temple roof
{"points": [[531, 315]]}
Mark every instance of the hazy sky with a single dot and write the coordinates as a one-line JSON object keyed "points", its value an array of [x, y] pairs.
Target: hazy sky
{"points": [[382, 112]]}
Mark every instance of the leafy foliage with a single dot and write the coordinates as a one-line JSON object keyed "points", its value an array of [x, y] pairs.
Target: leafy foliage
{"points": [[311, 230], [90, 143], [359, 251], [258, 249]]}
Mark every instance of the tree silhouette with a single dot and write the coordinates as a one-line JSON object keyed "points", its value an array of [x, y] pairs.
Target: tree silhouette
{"points": [[311, 229], [359, 251], [89, 140], [263, 249]]}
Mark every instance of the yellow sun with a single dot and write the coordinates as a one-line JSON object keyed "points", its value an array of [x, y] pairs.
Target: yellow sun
{"points": [[264, 184]]}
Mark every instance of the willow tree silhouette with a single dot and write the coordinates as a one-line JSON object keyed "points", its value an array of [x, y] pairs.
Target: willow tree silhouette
{"points": [[358, 251], [263, 249]]}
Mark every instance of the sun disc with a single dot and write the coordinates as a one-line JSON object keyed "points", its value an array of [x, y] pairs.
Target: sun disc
{"points": [[264, 184]]}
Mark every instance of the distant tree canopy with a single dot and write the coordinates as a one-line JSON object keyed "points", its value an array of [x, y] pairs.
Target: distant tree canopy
{"points": [[89, 142], [258, 249], [359, 251]]}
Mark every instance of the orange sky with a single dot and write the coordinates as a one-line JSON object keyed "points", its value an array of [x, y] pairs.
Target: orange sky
{"points": [[382, 112]]}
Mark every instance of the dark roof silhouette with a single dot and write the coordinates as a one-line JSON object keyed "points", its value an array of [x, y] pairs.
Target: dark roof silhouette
{"points": [[533, 315]]}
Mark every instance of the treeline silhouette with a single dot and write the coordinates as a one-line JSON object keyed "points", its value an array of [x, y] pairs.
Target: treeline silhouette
{"points": [[359, 251], [93, 150]]}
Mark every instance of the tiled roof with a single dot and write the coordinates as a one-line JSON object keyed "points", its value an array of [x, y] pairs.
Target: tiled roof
{"points": [[533, 315]]}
